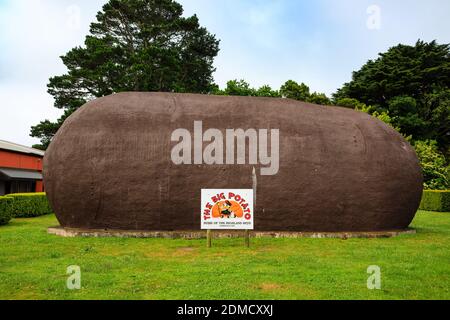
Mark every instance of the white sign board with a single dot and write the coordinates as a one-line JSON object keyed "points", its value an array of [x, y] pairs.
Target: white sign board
{"points": [[227, 209]]}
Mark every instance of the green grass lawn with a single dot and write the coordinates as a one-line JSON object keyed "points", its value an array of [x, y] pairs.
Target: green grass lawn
{"points": [[33, 265]]}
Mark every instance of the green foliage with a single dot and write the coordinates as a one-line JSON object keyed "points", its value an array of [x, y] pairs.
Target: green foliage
{"points": [[301, 92], [348, 103], [242, 88], [319, 98], [412, 84], [434, 166], [383, 116], [405, 112], [290, 90], [47, 129], [435, 200], [5, 210], [437, 106], [27, 205], [267, 91], [293, 90], [359, 106], [134, 45], [386, 118], [239, 88], [40, 146]]}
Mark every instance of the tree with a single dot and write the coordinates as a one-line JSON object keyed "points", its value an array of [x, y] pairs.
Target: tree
{"points": [[239, 88], [293, 90], [412, 83], [405, 111], [290, 89], [266, 91], [319, 98], [135, 45], [436, 107], [242, 88]]}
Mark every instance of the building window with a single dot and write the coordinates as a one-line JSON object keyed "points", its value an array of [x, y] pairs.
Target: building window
{"points": [[22, 186]]}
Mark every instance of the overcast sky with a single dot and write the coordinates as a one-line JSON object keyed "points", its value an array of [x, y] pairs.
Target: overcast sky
{"points": [[264, 42]]}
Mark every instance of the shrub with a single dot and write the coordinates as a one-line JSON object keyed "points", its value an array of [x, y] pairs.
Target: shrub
{"points": [[28, 205], [5, 210], [435, 170], [348, 103], [436, 200]]}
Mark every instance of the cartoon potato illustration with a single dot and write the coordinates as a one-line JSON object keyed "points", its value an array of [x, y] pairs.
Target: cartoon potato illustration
{"points": [[227, 210]]}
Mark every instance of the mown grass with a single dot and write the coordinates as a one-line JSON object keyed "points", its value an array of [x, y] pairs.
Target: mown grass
{"points": [[33, 265]]}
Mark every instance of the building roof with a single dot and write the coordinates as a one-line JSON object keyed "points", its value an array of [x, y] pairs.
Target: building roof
{"points": [[20, 174], [10, 146]]}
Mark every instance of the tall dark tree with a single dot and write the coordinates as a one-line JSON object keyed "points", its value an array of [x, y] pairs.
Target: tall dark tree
{"points": [[135, 45], [412, 83]]}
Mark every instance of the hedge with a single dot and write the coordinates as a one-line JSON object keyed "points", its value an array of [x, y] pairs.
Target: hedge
{"points": [[5, 210], [28, 205], [436, 200]]}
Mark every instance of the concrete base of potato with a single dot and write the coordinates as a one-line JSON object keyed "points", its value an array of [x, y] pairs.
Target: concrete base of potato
{"points": [[70, 233]]}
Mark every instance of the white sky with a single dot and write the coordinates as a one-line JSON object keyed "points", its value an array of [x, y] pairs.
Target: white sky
{"points": [[262, 41]]}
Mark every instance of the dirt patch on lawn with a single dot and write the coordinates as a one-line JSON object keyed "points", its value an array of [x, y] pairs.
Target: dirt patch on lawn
{"points": [[184, 252], [270, 287]]}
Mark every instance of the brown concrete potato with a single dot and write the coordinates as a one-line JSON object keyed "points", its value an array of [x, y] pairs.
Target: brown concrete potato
{"points": [[110, 166]]}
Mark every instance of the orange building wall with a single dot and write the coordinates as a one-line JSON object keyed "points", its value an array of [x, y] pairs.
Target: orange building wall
{"points": [[22, 161]]}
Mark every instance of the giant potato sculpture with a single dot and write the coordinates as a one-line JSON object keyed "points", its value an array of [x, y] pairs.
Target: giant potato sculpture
{"points": [[138, 161]]}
